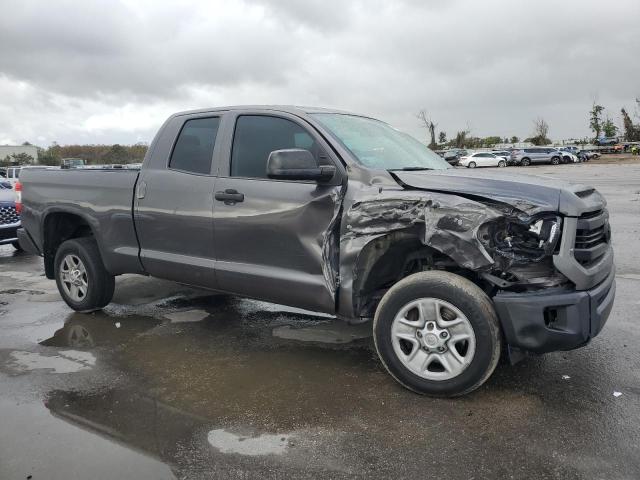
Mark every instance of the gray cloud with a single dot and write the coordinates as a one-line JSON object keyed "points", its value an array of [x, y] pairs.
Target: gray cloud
{"points": [[105, 71]]}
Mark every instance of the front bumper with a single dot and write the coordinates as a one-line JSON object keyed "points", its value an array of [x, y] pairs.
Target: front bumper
{"points": [[546, 322], [8, 233]]}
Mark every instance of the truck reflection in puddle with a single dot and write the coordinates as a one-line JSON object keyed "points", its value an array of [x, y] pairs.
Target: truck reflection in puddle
{"points": [[221, 390]]}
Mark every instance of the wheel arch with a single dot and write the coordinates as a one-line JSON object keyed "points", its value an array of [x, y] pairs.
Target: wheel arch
{"points": [[59, 226], [387, 259]]}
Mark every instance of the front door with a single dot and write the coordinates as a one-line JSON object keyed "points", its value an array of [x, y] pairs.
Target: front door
{"points": [[275, 240], [174, 205]]}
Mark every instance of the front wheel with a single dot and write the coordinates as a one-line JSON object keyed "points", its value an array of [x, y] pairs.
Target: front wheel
{"points": [[502, 164], [17, 246], [437, 334], [555, 161], [525, 162], [82, 279], [472, 165]]}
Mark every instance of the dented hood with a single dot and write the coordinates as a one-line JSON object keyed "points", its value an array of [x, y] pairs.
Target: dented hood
{"points": [[528, 193]]}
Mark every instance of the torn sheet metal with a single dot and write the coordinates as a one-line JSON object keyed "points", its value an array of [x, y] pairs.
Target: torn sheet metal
{"points": [[446, 223], [384, 213], [331, 247], [451, 226], [450, 222]]}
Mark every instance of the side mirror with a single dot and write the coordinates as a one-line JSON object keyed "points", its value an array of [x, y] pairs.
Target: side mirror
{"points": [[297, 164]]}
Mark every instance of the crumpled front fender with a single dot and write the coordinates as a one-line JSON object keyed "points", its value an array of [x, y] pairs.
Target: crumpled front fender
{"points": [[443, 222]]}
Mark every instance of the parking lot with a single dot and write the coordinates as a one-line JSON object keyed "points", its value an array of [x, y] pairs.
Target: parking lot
{"points": [[172, 382]]}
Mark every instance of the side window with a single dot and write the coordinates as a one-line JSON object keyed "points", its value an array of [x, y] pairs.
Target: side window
{"points": [[194, 149], [256, 136]]}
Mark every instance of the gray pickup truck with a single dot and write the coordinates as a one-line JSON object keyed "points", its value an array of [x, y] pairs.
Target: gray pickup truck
{"points": [[341, 214]]}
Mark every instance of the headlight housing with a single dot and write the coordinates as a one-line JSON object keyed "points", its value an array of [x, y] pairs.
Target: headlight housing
{"points": [[525, 241]]}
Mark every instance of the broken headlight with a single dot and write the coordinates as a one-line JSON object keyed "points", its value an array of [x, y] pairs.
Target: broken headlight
{"points": [[529, 240]]}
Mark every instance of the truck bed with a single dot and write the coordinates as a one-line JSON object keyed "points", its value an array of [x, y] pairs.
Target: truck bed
{"points": [[102, 197]]}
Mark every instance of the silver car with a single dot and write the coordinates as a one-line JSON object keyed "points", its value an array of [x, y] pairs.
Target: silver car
{"points": [[528, 156]]}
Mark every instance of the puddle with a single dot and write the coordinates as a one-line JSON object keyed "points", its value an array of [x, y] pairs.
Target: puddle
{"points": [[265, 444], [68, 361], [187, 316], [82, 331]]}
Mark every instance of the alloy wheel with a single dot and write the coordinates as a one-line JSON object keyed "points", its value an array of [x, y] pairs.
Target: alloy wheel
{"points": [[433, 339]]}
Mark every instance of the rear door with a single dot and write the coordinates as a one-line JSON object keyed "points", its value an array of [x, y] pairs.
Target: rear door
{"points": [[174, 201], [537, 155], [490, 160], [278, 240], [485, 159]]}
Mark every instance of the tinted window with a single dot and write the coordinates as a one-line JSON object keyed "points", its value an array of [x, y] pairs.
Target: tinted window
{"points": [[194, 149], [256, 136]]}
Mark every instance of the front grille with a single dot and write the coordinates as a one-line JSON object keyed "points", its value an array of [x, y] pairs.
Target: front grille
{"points": [[592, 237], [8, 215]]}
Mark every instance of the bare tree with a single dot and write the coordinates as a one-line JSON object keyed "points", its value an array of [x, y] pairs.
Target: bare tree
{"points": [[541, 128], [428, 123]]}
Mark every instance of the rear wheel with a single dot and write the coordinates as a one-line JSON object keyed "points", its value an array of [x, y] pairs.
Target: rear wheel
{"points": [[502, 163], [437, 334], [525, 162], [81, 277], [472, 165]]}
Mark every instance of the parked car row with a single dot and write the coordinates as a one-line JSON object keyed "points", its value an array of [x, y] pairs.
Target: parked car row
{"points": [[519, 157]]}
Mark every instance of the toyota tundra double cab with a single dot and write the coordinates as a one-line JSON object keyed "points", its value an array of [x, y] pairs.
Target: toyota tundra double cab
{"points": [[342, 214]]}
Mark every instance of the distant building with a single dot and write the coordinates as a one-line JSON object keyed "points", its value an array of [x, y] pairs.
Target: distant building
{"points": [[9, 150]]}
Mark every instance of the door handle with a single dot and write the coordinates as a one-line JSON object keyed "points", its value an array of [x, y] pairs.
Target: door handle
{"points": [[142, 190], [229, 196]]}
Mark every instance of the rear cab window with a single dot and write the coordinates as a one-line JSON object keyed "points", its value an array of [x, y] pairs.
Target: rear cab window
{"points": [[193, 151]]}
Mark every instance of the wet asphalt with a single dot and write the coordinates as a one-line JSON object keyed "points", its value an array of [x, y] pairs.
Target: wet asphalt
{"points": [[171, 382]]}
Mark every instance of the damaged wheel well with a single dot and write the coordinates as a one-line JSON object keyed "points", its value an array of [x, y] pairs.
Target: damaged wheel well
{"points": [[387, 259]]}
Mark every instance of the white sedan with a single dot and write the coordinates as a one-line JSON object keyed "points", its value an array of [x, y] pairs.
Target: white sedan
{"points": [[482, 159]]}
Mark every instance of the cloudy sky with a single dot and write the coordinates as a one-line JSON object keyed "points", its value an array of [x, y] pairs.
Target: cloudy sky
{"points": [[110, 71]]}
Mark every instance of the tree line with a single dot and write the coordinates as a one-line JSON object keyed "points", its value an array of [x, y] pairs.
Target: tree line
{"points": [[598, 123], [92, 154]]}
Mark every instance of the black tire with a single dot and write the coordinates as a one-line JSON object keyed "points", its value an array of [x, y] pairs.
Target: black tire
{"points": [[17, 246], [525, 162], [100, 283], [555, 161], [502, 164], [471, 301], [472, 165]]}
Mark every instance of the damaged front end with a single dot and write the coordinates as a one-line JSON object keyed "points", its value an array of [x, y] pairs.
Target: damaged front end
{"points": [[390, 234]]}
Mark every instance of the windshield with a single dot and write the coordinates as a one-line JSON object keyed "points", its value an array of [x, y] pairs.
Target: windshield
{"points": [[377, 145]]}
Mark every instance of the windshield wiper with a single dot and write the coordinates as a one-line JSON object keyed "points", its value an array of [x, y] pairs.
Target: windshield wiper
{"points": [[410, 169]]}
